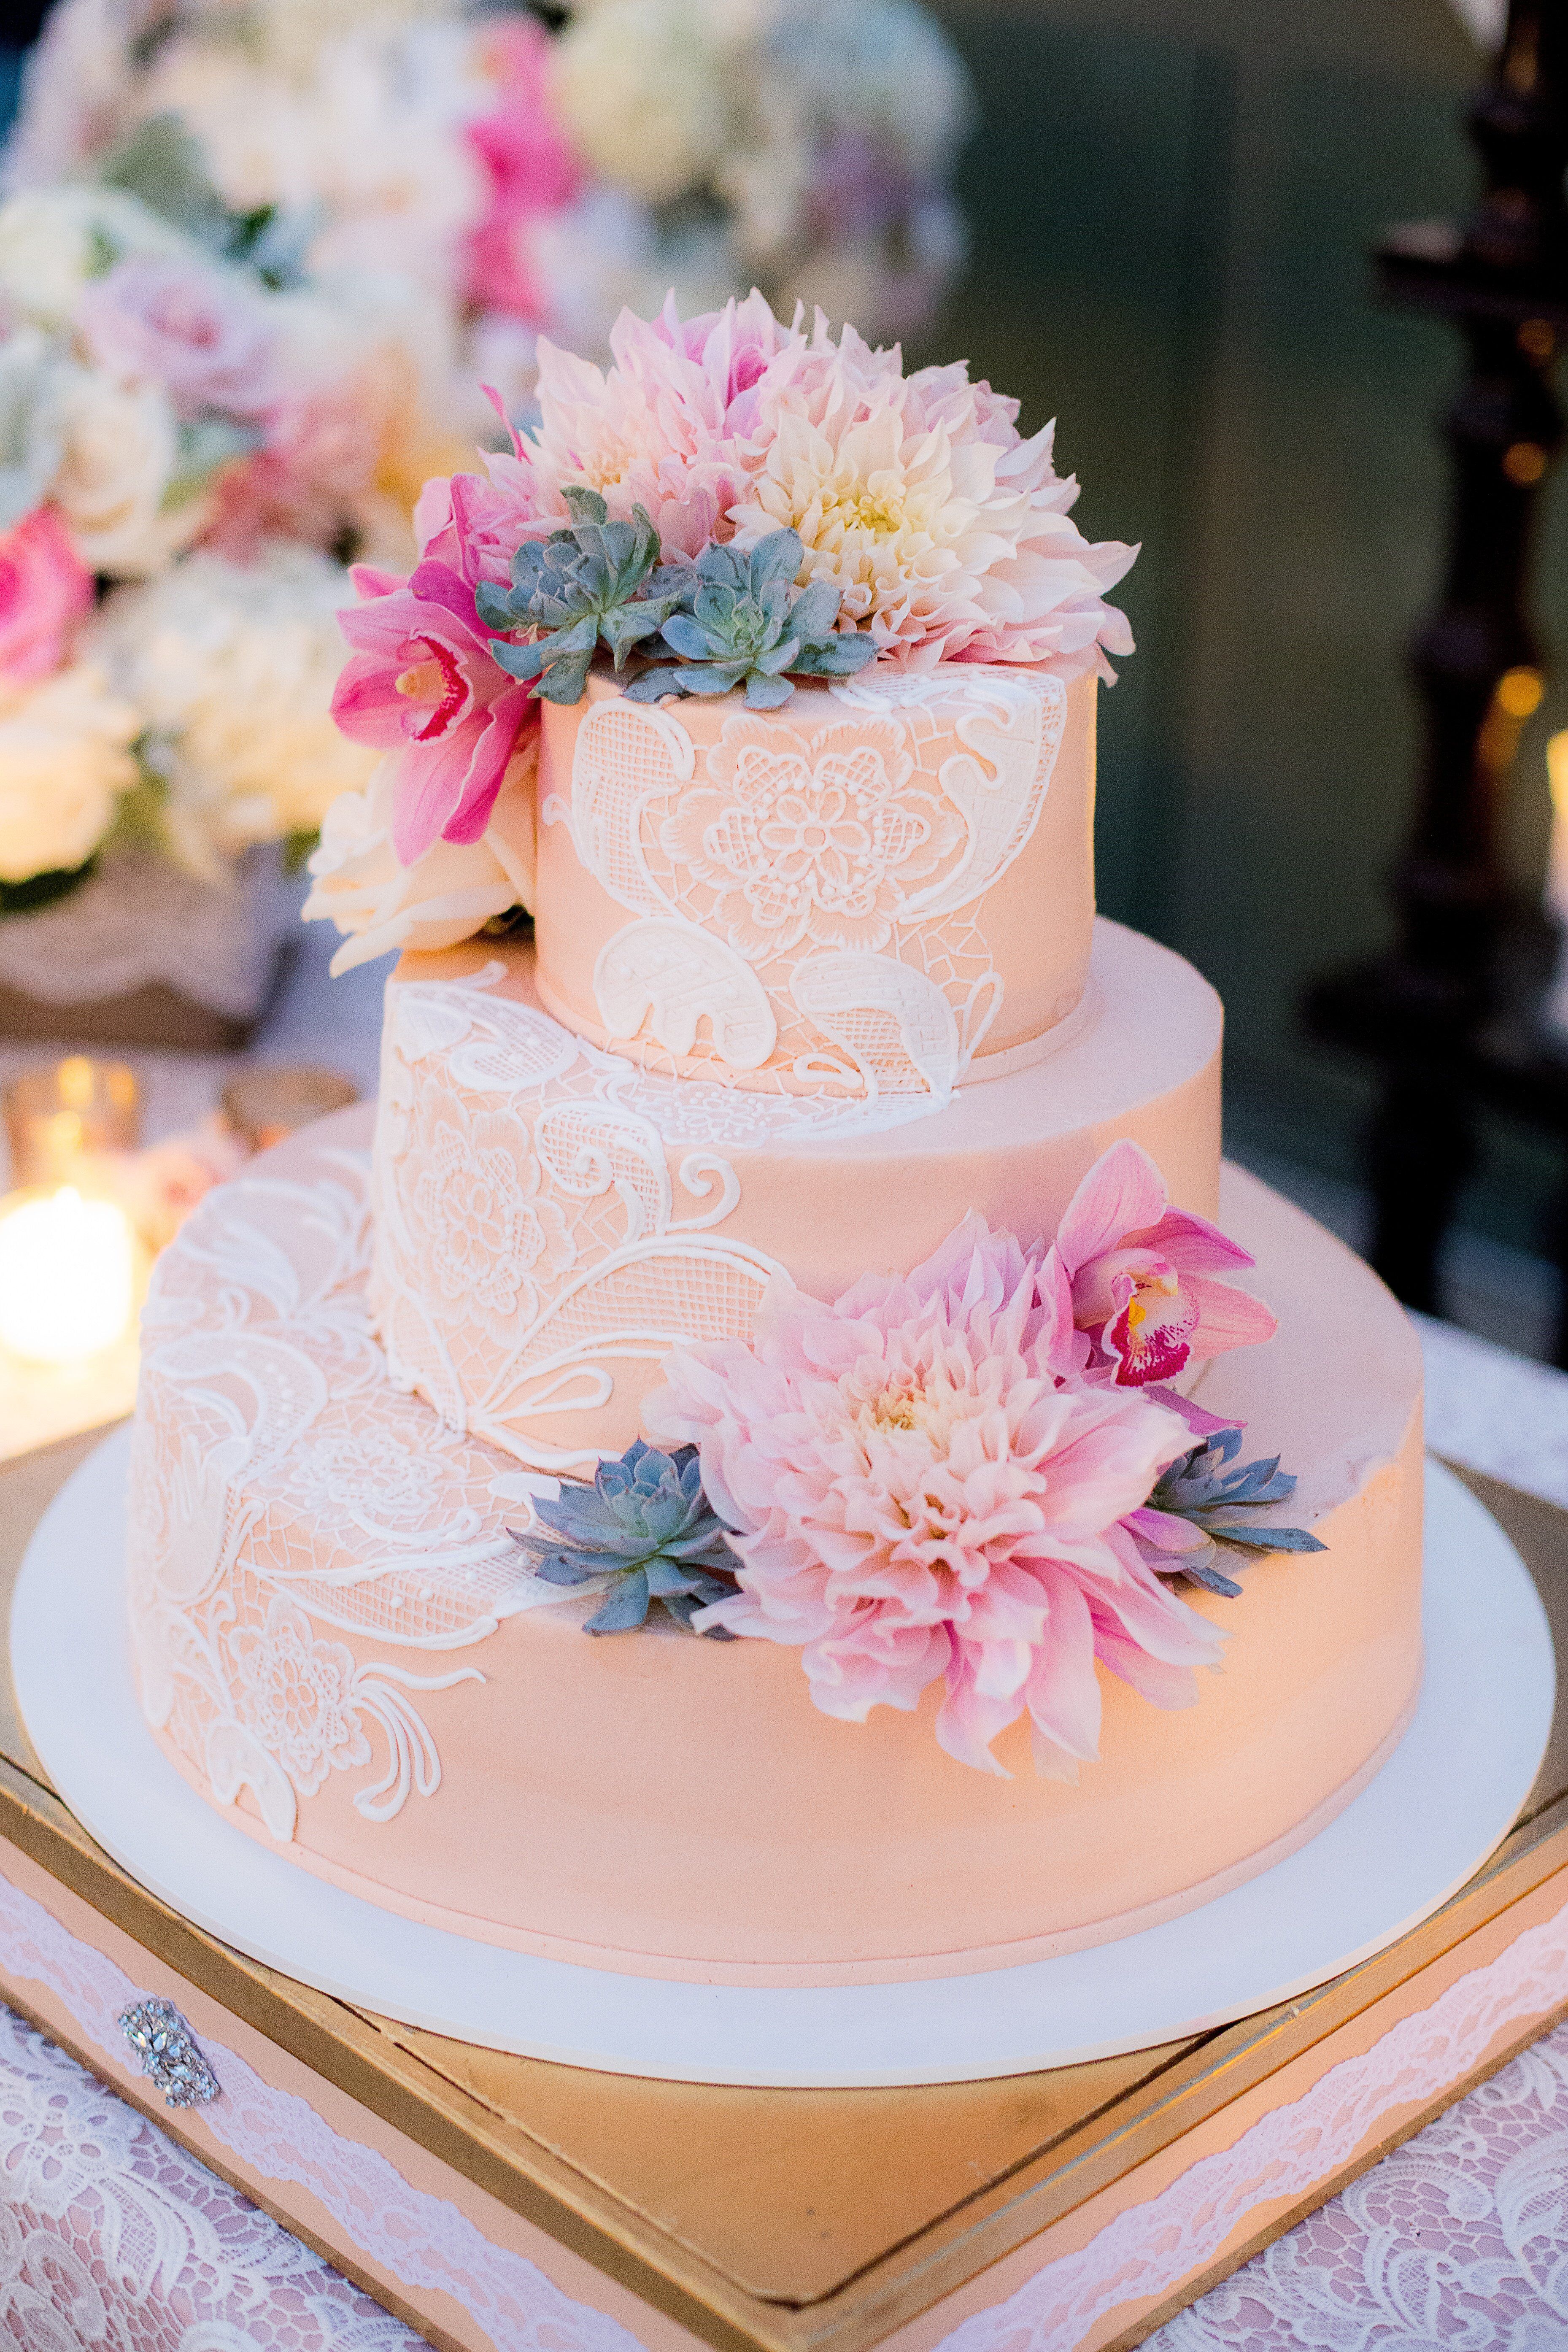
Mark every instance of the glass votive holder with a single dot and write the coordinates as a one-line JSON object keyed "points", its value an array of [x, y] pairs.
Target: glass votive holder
{"points": [[273, 1100], [62, 1121]]}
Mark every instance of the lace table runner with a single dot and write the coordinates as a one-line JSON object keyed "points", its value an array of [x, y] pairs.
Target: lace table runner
{"points": [[112, 2239], [1457, 2239]]}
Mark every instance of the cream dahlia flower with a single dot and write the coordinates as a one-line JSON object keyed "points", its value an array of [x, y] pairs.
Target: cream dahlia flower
{"points": [[946, 534]]}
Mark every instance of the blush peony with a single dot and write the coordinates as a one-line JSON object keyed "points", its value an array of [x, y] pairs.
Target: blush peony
{"points": [[922, 1489]]}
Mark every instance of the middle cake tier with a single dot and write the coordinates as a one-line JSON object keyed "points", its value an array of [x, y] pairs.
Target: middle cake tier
{"points": [[551, 1219]]}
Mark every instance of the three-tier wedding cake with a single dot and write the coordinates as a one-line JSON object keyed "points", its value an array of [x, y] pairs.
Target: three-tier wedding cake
{"points": [[803, 1265]]}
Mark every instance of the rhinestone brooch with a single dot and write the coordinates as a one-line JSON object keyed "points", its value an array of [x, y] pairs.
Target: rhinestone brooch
{"points": [[169, 2053]]}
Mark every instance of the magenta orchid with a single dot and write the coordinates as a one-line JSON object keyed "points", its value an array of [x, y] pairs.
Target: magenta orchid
{"points": [[1140, 1275], [422, 684]]}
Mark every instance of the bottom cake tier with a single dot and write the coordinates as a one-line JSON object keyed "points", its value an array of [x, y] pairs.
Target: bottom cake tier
{"points": [[336, 1637]]}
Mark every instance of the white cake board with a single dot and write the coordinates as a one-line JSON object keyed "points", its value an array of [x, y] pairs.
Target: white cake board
{"points": [[1391, 1858]]}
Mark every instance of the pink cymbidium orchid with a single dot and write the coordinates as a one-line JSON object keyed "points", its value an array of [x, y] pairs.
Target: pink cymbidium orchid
{"points": [[422, 684], [1140, 1275]]}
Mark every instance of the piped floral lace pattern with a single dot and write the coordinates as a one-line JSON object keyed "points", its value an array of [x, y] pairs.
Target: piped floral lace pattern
{"points": [[815, 890], [301, 1524], [498, 1130], [1457, 2239], [113, 2238]]}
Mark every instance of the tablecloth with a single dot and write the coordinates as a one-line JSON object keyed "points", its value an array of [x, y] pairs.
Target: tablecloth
{"points": [[112, 2236]]}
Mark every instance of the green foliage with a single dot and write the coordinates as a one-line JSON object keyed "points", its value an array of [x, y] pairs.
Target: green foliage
{"points": [[161, 162], [43, 889], [739, 621], [591, 585]]}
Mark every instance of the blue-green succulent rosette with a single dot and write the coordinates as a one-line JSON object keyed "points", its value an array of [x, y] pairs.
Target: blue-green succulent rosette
{"points": [[1204, 1501], [646, 1529], [731, 618]]}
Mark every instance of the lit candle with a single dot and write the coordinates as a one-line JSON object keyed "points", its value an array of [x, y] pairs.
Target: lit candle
{"points": [[1555, 1010], [68, 1276]]}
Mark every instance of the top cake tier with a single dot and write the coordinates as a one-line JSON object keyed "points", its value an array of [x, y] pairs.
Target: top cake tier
{"points": [[881, 886]]}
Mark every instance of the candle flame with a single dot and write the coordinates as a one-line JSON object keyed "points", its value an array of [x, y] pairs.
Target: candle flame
{"points": [[1557, 772]]}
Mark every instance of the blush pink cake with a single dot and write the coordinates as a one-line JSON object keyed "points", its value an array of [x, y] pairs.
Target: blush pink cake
{"points": [[763, 1462]]}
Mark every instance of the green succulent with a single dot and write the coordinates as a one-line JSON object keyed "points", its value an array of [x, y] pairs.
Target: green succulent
{"points": [[647, 1523], [1202, 1488], [738, 622], [581, 586]]}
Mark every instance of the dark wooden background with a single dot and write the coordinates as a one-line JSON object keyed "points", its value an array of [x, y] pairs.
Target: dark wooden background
{"points": [[1171, 204]]}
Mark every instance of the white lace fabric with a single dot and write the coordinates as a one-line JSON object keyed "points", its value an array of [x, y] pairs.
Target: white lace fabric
{"points": [[124, 2243], [1459, 2239], [815, 893], [112, 2239]]}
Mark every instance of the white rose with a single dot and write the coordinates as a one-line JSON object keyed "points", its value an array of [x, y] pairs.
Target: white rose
{"points": [[64, 759], [54, 241], [444, 896], [32, 443], [234, 666], [120, 450]]}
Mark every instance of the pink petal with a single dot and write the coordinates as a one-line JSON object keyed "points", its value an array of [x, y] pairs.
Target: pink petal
{"points": [[1063, 1696], [371, 584], [431, 778], [1201, 1422], [1150, 1334], [1193, 1246], [1123, 1192], [487, 769], [438, 584], [367, 706], [1227, 1317]]}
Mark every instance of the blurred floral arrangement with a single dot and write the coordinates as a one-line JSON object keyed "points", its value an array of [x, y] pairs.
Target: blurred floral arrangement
{"points": [[256, 256], [539, 170], [193, 435]]}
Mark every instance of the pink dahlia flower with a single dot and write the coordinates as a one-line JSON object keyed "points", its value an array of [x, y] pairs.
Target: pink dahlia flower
{"points": [[667, 426], [200, 332], [421, 684], [921, 1491], [947, 535], [44, 590], [1140, 1275], [531, 169]]}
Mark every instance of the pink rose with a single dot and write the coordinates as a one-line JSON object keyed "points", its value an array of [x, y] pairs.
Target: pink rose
{"points": [[44, 590], [200, 332]]}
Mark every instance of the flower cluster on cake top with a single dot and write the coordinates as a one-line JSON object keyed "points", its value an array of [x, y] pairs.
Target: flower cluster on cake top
{"points": [[975, 1475], [735, 503]]}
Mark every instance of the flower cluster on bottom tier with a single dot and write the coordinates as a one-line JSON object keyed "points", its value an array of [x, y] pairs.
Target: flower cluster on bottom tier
{"points": [[336, 1635]]}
